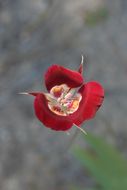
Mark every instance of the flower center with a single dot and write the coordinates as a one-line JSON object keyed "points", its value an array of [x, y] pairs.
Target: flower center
{"points": [[63, 100]]}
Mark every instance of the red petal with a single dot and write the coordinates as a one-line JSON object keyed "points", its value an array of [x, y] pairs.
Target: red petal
{"points": [[92, 98], [57, 75], [48, 118]]}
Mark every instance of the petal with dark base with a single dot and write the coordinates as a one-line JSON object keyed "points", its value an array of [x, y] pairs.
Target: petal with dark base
{"points": [[48, 118], [92, 98], [57, 75]]}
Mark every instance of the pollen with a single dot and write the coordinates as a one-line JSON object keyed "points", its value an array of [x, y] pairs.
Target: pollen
{"points": [[63, 100], [57, 91]]}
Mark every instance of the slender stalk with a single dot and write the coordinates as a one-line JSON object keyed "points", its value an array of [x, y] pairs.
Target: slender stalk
{"points": [[78, 129], [72, 140]]}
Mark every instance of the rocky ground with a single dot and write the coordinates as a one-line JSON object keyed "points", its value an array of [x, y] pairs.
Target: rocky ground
{"points": [[34, 35]]}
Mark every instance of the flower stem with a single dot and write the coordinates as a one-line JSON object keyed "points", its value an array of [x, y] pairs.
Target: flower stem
{"points": [[72, 140], [78, 129]]}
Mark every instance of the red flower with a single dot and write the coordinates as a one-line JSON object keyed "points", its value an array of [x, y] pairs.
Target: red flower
{"points": [[69, 100]]}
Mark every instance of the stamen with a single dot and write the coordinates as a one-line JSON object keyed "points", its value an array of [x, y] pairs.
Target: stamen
{"points": [[67, 103]]}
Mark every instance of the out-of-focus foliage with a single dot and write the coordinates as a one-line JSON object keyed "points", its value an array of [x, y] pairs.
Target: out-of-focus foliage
{"points": [[94, 17], [105, 163]]}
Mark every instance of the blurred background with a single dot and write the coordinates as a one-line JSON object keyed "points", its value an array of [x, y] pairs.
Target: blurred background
{"points": [[35, 34]]}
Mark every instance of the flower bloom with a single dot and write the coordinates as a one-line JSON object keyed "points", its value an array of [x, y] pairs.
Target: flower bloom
{"points": [[69, 99]]}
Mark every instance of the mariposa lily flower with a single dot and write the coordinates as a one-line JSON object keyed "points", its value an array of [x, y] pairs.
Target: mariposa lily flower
{"points": [[69, 100]]}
